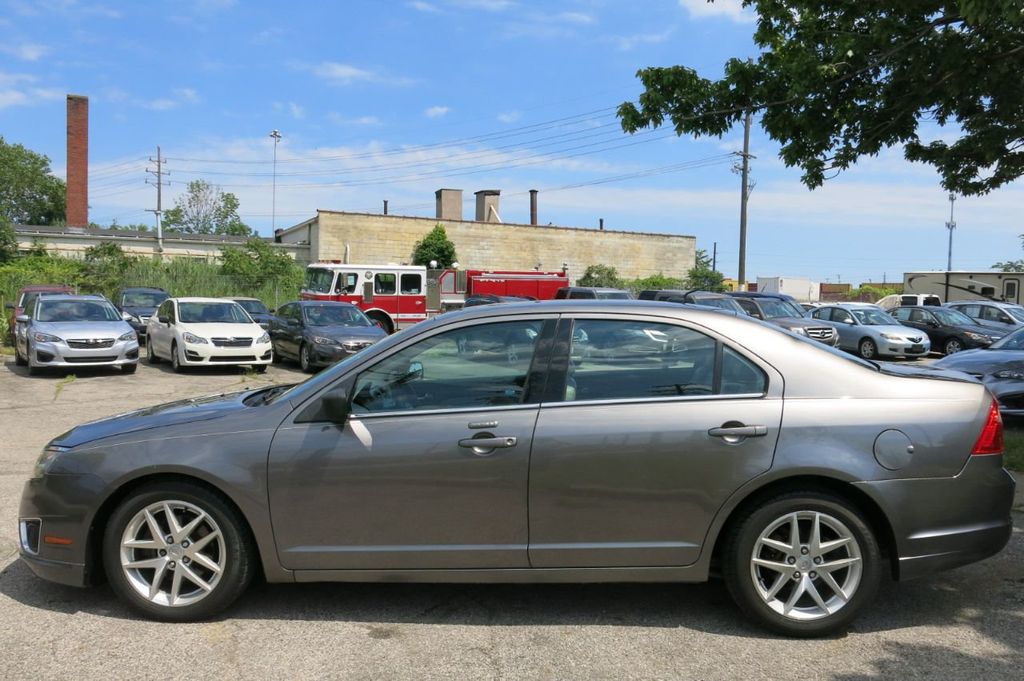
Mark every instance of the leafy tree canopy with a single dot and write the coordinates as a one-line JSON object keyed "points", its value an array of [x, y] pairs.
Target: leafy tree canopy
{"points": [[657, 281], [435, 246], [1010, 266], [8, 241], [258, 263], [600, 275], [840, 79], [702, 277], [29, 194], [205, 209]]}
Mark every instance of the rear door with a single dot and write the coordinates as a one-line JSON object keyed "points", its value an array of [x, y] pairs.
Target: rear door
{"points": [[646, 428]]}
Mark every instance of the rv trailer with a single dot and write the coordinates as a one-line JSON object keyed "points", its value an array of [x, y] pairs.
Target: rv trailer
{"points": [[949, 286]]}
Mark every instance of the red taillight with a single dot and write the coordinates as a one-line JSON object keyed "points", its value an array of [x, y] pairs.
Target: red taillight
{"points": [[991, 439]]}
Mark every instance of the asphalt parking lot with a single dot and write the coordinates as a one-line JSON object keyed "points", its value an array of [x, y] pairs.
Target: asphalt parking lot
{"points": [[965, 623]]}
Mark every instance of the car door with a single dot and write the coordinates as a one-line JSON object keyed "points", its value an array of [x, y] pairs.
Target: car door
{"points": [[431, 468], [280, 331], [158, 332], [645, 430]]}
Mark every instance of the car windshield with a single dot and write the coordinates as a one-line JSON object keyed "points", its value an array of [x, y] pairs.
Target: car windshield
{"points": [[253, 306], [143, 298], [721, 303], [1014, 341], [952, 317], [871, 317], [212, 313], [330, 315], [774, 309], [319, 279], [76, 311], [1015, 312], [612, 295]]}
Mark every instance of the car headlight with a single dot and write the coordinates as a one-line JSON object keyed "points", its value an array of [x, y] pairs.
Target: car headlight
{"points": [[127, 336], [800, 330], [265, 338], [50, 452], [981, 338], [45, 337], [1010, 374], [192, 338], [324, 341], [892, 337]]}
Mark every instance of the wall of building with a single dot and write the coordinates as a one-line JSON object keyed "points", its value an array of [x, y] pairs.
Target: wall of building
{"points": [[379, 239]]}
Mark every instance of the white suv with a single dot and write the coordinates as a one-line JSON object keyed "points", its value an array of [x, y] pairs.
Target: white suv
{"points": [[206, 332]]}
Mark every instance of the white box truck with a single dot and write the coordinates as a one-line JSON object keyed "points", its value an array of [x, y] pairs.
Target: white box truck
{"points": [[801, 288]]}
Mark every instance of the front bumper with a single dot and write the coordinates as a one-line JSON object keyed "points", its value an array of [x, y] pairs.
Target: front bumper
{"points": [[63, 356], [903, 347], [325, 355], [208, 354], [943, 523]]}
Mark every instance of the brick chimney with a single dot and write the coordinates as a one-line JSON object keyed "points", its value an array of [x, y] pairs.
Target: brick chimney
{"points": [[449, 204], [487, 205], [77, 197], [533, 207]]}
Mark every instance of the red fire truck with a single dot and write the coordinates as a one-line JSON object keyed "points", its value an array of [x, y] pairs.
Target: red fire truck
{"points": [[397, 296]]}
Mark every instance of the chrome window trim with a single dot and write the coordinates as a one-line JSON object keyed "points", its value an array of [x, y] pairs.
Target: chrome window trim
{"points": [[657, 400], [364, 416]]}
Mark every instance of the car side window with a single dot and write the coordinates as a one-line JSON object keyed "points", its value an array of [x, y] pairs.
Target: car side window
{"points": [[384, 284], [842, 316], [580, 295], [750, 307], [613, 359], [470, 367], [172, 315], [822, 313], [973, 311], [901, 314]]}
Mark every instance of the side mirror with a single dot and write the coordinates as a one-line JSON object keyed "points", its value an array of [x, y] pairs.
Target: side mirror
{"points": [[22, 319], [336, 407], [163, 319], [125, 316]]}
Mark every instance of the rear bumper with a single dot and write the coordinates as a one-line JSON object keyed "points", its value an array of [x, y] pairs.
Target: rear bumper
{"points": [[943, 523]]}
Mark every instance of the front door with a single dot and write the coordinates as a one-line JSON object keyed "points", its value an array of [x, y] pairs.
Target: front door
{"points": [[653, 427], [431, 469]]}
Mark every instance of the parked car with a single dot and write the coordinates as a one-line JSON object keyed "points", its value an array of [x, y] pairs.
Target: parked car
{"points": [[867, 330], [418, 462], [950, 331], [776, 309], [66, 330], [138, 304], [491, 299], [591, 293], [705, 298], [1005, 317], [318, 333], [810, 307], [257, 310], [1000, 367], [23, 301], [191, 332], [891, 302]]}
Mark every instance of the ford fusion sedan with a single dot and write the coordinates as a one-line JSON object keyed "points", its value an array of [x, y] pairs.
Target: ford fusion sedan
{"points": [[679, 442], [193, 332], [318, 333], [871, 333], [65, 331], [1000, 367]]}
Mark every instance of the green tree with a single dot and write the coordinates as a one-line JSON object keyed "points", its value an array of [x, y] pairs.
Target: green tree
{"points": [[656, 281], [29, 194], [435, 246], [8, 241], [702, 277], [257, 263], [106, 264], [600, 275], [1010, 266], [839, 79], [205, 209]]}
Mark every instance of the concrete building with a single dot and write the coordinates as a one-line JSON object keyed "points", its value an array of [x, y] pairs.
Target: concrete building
{"points": [[72, 242], [489, 243]]}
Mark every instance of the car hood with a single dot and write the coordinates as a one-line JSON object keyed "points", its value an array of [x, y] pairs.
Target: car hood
{"points": [[983, 361], [171, 413], [342, 332], [990, 331], [221, 330], [897, 329], [83, 329]]}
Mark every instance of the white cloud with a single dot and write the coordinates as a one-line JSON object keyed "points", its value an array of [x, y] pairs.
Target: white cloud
{"points": [[486, 5], [732, 10], [338, 119], [296, 111], [13, 96], [10, 98], [424, 6], [626, 43], [187, 94], [509, 116], [337, 73], [158, 104], [575, 18], [26, 51], [436, 111]]}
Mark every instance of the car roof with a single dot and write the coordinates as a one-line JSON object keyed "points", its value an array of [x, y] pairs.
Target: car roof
{"points": [[143, 288], [997, 303], [318, 303], [852, 305], [202, 300], [43, 288], [73, 296], [237, 298]]}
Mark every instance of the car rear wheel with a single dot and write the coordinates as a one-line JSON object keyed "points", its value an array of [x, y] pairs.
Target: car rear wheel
{"points": [[953, 345], [18, 359], [151, 356], [177, 552], [867, 348], [305, 361], [803, 564], [175, 359]]}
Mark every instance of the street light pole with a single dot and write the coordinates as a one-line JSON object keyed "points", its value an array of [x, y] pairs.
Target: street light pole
{"points": [[951, 225], [276, 134]]}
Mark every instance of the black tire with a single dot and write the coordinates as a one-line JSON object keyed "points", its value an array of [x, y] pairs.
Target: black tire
{"points": [[129, 368], [260, 368], [739, 570], [952, 346], [151, 355], [867, 348], [276, 356], [175, 360], [383, 320], [32, 370], [305, 363], [18, 359], [240, 553]]}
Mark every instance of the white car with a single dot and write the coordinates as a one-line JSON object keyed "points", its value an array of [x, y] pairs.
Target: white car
{"points": [[192, 332]]}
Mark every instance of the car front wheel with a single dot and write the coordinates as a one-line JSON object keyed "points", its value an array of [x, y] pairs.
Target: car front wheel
{"points": [[803, 564], [305, 361], [175, 359], [867, 348], [177, 552], [953, 345]]}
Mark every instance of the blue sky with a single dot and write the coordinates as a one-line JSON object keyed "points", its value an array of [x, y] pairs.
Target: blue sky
{"points": [[392, 100]]}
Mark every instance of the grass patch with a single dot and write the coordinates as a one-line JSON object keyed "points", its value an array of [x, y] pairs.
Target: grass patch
{"points": [[1013, 435], [59, 386], [6, 350]]}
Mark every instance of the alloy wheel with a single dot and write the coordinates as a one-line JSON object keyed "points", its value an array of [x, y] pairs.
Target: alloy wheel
{"points": [[304, 362], [173, 553], [953, 345], [806, 565], [867, 349]]}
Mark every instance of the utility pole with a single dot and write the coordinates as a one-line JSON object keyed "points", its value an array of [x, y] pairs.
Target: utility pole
{"points": [[276, 134], [714, 256], [745, 188], [951, 225], [159, 182]]}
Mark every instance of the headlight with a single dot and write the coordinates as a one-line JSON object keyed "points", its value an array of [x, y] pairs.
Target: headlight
{"points": [[265, 338], [45, 338], [44, 460], [1010, 374], [324, 341], [192, 338], [892, 337], [127, 336], [800, 330], [977, 337]]}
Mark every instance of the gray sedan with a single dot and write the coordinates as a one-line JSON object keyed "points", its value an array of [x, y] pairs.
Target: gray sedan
{"points": [[626, 441], [1000, 367], [871, 333]]}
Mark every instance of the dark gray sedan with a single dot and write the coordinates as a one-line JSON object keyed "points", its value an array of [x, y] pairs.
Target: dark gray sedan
{"points": [[319, 333], [1000, 367], [619, 441]]}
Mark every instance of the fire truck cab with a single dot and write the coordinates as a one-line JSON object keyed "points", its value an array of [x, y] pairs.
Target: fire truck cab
{"points": [[394, 296]]}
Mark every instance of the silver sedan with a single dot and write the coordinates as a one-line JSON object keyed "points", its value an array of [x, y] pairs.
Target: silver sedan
{"points": [[872, 333]]}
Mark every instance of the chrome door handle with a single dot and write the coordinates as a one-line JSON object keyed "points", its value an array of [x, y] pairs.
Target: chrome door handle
{"points": [[481, 443], [737, 432]]}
